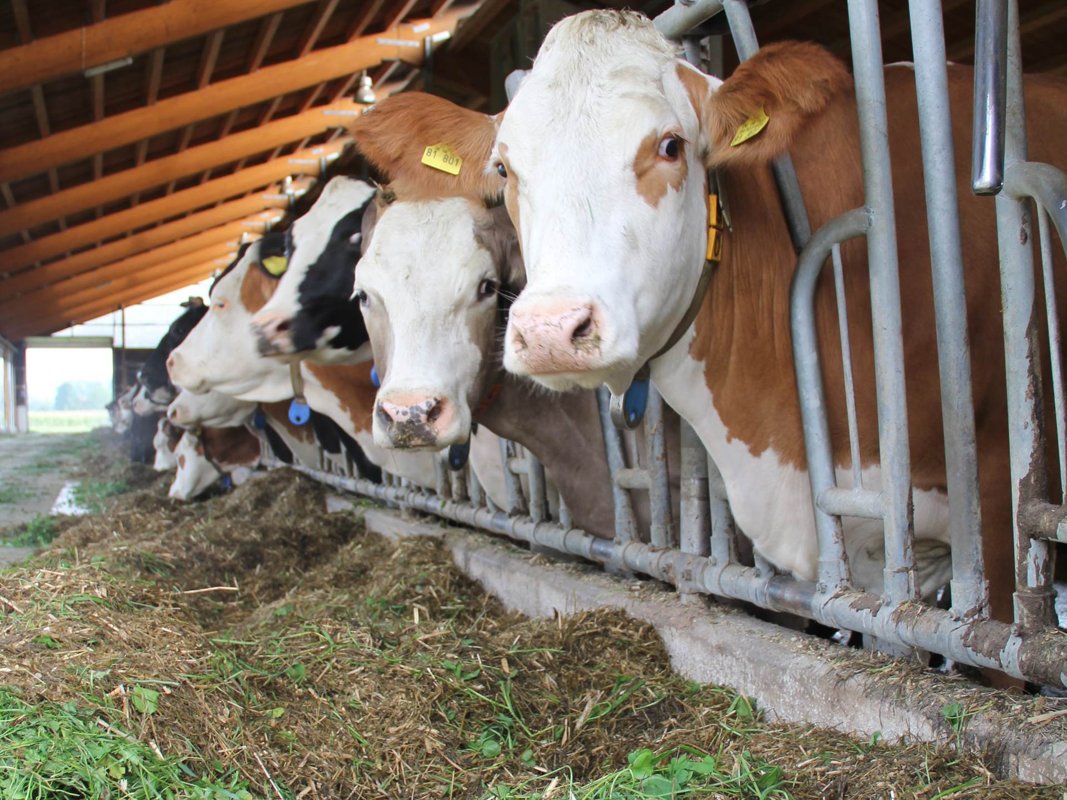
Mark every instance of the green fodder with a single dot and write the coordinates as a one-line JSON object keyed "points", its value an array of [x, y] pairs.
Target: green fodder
{"points": [[256, 641]]}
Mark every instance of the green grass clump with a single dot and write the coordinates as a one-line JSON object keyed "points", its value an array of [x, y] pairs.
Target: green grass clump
{"points": [[53, 751], [38, 532], [67, 421], [12, 494], [90, 494]]}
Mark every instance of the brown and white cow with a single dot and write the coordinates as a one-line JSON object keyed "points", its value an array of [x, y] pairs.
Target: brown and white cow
{"points": [[221, 354], [207, 454], [601, 158]]}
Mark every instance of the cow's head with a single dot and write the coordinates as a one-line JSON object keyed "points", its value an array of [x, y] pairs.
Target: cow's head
{"points": [[220, 353], [211, 408], [165, 441], [311, 312], [602, 158], [438, 264], [433, 286], [206, 455], [195, 473], [158, 389]]}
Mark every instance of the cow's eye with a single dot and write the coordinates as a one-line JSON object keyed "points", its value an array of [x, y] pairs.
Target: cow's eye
{"points": [[361, 298], [670, 147], [220, 305], [501, 170], [486, 288]]}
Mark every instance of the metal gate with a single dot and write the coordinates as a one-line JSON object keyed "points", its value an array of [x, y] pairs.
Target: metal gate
{"points": [[698, 553]]}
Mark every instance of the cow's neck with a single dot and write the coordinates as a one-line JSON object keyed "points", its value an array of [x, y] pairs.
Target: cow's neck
{"points": [[563, 431]]}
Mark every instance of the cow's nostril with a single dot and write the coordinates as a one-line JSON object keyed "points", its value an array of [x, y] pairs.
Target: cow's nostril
{"points": [[584, 329], [283, 326], [435, 411]]}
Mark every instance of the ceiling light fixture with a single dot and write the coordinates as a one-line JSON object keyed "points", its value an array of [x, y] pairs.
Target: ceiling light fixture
{"points": [[110, 66], [365, 90]]}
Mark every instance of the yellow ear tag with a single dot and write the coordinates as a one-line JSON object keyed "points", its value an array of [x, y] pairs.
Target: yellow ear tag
{"points": [[442, 157], [750, 127], [276, 265]]}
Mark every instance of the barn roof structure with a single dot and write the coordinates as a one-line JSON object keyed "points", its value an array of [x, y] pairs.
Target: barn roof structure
{"points": [[140, 140]]}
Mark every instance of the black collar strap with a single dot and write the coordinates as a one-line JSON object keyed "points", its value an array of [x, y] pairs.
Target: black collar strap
{"points": [[628, 409]]}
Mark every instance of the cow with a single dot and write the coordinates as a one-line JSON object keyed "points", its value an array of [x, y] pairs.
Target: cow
{"points": [[207, 454], [221, 354], [310, 313], [602, 158], [165, 442], [156, 389]]}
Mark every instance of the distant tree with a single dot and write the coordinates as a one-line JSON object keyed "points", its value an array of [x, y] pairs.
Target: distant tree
{"points": [[81, 395]]}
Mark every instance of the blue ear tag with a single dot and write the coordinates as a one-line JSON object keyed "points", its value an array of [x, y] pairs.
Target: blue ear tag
{"points": [[299, 413], [374, 377], [259, 420], [226, 483], [458, 454], [628, 411]]}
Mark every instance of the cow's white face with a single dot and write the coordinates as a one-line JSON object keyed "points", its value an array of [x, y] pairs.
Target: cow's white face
{"points": [[195, 473], [164, 445], [600, 155], [212, 409], [144, 404], [220, 353], [306, 313], [428, 285]]}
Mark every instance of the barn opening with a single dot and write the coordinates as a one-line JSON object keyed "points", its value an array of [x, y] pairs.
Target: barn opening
{"points": [[68, 382]]}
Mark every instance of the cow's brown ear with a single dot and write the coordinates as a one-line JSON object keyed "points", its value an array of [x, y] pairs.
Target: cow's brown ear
{"points": [[395, 133], [757, 112]]}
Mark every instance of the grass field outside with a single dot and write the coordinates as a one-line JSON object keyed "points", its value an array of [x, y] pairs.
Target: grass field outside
{"points": [[67, 421]]}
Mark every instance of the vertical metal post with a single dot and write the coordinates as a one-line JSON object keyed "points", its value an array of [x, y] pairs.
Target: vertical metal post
{"points": [[990, 95], [695, 522], [1033, 580], [535, 473], [516, 502], [969, 589], [661, 533], [1055, 348], [900, 581], [625, 524]]}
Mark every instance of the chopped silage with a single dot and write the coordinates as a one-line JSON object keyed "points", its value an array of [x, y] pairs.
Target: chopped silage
{"points": [[255, 638]]}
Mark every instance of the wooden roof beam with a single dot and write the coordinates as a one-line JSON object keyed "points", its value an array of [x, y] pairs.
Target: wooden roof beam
{"points": [[162, 170], [219, 250], [174, 112], [303, 162], [137, 243], [126, 35], [230, 233], [114, 299], [107, 292]]}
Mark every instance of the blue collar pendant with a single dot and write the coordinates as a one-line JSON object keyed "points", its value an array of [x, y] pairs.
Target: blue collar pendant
{"points": [[458, 455], [628, 409], [299, 412]]}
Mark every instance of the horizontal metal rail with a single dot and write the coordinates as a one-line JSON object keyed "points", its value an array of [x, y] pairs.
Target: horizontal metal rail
{"points": [[980, 643]]}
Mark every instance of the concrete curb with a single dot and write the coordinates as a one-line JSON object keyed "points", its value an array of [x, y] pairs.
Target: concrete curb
{"points": [[793, 677]]}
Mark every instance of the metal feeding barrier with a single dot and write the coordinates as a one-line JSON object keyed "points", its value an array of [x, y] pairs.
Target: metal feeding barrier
{"points": [[701, 552]]}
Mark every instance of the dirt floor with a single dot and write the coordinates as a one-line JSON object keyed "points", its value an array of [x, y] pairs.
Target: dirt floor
{"points": [[253, 645]]}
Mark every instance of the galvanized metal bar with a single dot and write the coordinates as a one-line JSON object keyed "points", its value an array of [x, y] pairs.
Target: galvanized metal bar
{"points": [[661, 530], [723, 530], [818, 448], [682, 17], [516, 501], [440, 472], [695, 522], [1055, 347], [535, 475], [981, 643], [631, 478], [846, 365], [1033, 566], [900, 579], [970, 593], [625, 523], [850, 503], [565, 520], [474, 489], [990, 95]]}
